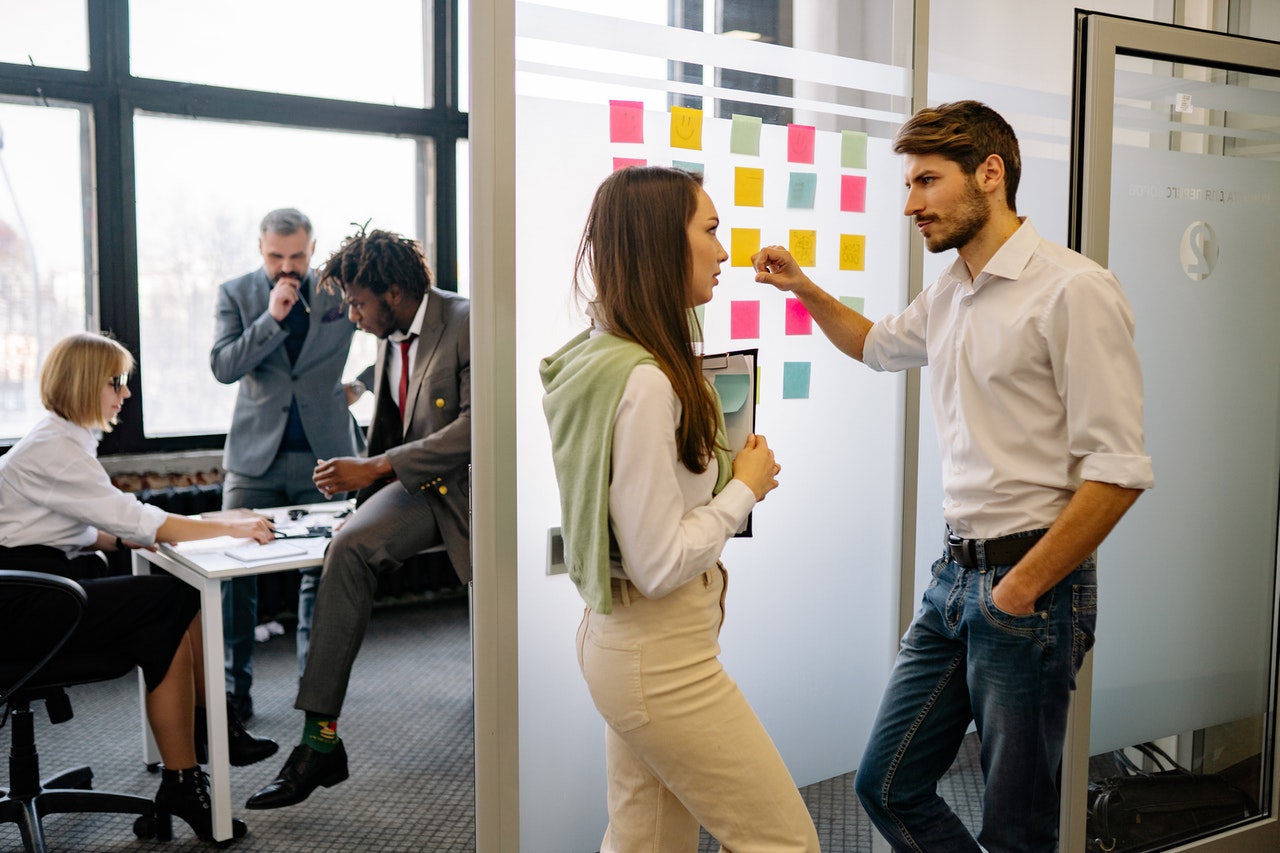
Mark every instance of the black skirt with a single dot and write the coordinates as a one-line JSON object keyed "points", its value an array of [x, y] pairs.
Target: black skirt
{"points": [[143, 617]]}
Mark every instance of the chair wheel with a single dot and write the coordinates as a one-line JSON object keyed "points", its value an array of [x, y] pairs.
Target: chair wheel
{"points": [[144, 826]]}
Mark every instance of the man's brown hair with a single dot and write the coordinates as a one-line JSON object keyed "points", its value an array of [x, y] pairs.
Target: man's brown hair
{"points": [[967, 133]]}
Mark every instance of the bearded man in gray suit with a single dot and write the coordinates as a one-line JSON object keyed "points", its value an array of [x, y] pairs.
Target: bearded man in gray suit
{"points": [[412, 487], [286, 343]]}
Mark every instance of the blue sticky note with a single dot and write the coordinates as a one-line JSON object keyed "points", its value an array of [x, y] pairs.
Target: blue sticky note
{"points": [[795, 380], [733, 389], [688, 166], [801, 190]]}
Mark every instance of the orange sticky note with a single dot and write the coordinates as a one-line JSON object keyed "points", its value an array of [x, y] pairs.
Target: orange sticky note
{"points": [[744, 243], [686, 128], [748, 187], [803, 247], [853, 251]]}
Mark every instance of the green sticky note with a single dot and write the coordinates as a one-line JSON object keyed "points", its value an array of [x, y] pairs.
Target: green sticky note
{"points": [[795, 380], [854, 302], [733, 389], [853, 149], [744, 137]]}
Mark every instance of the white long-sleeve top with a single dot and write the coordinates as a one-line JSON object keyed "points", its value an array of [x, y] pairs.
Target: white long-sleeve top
{"points": [[1035, 383], [54, 491], [668, 526]]}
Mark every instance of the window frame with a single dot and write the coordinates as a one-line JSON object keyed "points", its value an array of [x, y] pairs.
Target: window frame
{"points": [[112, 96]]}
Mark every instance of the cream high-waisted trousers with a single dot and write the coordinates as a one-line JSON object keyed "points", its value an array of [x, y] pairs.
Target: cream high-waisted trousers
{"points": [[682, 745]]}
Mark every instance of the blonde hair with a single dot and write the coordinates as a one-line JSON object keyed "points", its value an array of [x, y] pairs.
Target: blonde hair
{"points": [[76, 369]]}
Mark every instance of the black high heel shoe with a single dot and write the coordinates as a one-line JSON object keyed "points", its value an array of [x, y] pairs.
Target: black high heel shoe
{"points": [[185, 793], [243, 747]]}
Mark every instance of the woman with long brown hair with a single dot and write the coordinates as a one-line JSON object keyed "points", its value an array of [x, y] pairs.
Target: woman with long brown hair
{"points": [[649, 496]]}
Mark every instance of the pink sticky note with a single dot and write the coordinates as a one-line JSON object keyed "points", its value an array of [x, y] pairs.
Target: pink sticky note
{"points": [[799, 321], [624, 162], [626, 121], [800, 143], [853, 193], [744, 319]]}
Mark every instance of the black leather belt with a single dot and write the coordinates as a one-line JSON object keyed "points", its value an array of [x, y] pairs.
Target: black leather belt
{"points": [[1004, 551]]}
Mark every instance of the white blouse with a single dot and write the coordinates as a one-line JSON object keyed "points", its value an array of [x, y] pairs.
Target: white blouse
{"points": [[668, 526], [54, 491]]}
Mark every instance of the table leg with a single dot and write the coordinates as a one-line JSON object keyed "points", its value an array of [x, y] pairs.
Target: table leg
{"points": [[150, 752], [215, 692]]}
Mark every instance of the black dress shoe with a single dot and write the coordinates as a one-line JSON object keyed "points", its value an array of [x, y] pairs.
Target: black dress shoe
{"points": [[243, 747], [305, 771]]}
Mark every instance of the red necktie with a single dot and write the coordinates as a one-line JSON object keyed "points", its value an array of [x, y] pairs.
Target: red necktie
{"points": [[404, 372]]}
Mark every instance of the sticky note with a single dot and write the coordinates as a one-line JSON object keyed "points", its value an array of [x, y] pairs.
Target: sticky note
{"points": [[700, 311], [801, 189], [853, 149], [795, 380], [744, 319], [748, 187], [853, 193], [744, 242], [624, 162], [800, 143], [733, 389], [688, 166], [744, 135], [799, 321], [686, 128], [854, 302], [853, 250], [803, 247], [626, 121]]}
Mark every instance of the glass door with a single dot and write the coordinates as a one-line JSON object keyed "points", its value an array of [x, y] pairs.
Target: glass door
{"points": [[1177, 190]]}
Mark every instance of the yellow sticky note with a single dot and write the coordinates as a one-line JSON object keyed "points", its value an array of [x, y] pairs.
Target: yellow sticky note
{"points": [[745, 242], [853, 251], [686, 128], [804, 247], [748, 187]]}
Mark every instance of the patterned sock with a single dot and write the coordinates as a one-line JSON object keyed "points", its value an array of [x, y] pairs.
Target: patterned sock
{"points": [[320, 732]]}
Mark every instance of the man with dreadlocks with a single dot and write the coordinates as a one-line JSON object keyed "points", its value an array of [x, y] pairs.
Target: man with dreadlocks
{"points": [[411, 487]]}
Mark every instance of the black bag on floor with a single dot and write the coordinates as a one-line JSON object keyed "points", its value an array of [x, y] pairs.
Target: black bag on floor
{"points": [[1138, 809]]}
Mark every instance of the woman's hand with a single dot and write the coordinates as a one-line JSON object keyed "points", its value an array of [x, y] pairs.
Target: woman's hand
{"points": [[258, 529], [755, 466]]}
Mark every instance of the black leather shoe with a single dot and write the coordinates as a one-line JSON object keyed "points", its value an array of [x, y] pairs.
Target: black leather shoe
{"points": [[243, 747], [305, 771]]}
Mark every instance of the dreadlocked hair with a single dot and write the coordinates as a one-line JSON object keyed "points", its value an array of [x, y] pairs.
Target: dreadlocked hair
{"points": [[376, 260]]}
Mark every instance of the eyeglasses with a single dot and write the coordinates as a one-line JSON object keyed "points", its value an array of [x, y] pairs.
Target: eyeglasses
{"points": [[119, 382]]}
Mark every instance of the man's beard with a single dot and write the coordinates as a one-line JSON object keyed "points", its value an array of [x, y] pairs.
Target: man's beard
{"points": [[969, 219]]}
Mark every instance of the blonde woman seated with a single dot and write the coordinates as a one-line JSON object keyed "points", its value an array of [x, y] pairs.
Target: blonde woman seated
{"points": [[58, 510]]}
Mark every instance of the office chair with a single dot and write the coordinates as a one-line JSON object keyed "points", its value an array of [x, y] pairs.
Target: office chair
{"points": [[31, 675]]}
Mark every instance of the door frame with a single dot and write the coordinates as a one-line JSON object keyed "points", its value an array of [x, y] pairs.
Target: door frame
{"points": [[1099, 39]]}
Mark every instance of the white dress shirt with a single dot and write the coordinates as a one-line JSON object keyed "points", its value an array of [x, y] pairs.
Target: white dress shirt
{"points": [[393, 350], [668, 526], [1035, 383], [54, 491]]}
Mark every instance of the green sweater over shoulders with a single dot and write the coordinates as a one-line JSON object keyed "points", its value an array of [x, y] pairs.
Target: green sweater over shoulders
{"points": [[584, 381]]}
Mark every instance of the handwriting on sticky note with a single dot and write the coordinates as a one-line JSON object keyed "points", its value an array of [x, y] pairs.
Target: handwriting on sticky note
{"points": [[804, 247], [686, 128], [853, 250], [802, 187], [626, 121], [800, 139], [748, 187]]}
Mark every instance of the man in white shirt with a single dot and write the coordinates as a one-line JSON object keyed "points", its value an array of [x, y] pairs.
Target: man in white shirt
{"points": [[1038, 393]]}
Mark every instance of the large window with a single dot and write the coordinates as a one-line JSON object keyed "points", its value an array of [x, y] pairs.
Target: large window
{"points": [[136, 171]]}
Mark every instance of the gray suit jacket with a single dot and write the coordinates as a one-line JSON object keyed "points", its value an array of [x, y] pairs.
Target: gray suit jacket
{"points": [[430, 451], [248, 347]]}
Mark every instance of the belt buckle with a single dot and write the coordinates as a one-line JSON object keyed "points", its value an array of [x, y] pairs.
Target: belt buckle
{"points": [[963, 551]]}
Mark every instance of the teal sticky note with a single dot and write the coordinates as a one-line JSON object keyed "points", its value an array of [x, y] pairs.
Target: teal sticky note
{"points": [[853, 149], [744, 136], [733, 389], [801, 190], [854, 302], [795, 380], [688, 166]]}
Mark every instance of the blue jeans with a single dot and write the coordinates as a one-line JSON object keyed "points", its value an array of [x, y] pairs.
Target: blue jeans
{"points": [[964, 660]]}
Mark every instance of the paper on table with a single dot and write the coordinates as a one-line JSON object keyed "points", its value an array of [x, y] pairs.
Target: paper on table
{"points": [[270, 551]]}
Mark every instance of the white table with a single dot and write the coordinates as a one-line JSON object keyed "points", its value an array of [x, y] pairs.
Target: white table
{"points": [[204, 564]]}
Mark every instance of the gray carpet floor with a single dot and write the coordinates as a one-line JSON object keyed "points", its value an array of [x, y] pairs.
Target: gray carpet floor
{"points": [[409, 732]]}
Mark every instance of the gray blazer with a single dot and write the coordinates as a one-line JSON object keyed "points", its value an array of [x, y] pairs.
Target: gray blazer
{"points": [[430, 451], [248, 348]]}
